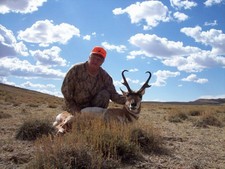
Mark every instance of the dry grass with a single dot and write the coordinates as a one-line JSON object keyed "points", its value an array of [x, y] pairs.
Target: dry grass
{"points": [[165, 136], [94, 144]]}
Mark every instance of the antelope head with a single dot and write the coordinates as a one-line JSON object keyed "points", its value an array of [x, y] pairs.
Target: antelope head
{"points": [[134, 98]]}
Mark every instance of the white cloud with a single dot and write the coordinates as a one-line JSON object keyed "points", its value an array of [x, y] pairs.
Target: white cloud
{"points": [[186, 64], [87, 37], [196, 62], [5, 81], [152, 12], [180, 16], [45, 32], [162, 76], [214, 23], [119, 49], [117, 83], [49, 57], [54, 92], [214, 38], [133, 70], [29, 84], [179, 4], [22, 68], [20, 6], [212, 2], [43, 88], [175, 54], [194, 78], [134, 54], [9, 46], [155, 46], [130, 82]]}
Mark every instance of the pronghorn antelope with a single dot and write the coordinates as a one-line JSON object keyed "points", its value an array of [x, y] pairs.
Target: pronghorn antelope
{"points": [[128, 113]]}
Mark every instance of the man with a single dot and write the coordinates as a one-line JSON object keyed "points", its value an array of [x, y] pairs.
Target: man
{"points": [[89, 85]]}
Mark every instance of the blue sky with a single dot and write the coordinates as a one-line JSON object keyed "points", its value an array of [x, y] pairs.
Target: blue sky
{"points": [[181, 42]]}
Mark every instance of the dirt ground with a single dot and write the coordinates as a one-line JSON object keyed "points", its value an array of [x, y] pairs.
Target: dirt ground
{"points": [[186, 146]]}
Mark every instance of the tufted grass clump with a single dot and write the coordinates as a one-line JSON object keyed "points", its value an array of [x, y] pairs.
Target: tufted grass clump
{"points": [[208, 120], [33, 129], [147, 141], [4, 115], [177, 116]]}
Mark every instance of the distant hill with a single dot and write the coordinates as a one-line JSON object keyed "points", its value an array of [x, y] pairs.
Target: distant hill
{"points": [[21, 95], [209, 101]]}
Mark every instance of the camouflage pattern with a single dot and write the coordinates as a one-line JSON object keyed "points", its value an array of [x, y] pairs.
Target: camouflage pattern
{"points": [[80, 89]]}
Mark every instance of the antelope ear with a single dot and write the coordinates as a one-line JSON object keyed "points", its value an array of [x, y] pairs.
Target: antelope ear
{"points": [[143, 92], [124, 93]]}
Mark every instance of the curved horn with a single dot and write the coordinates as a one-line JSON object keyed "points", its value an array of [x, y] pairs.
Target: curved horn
{"points": [[146, 85], [125, 81]]}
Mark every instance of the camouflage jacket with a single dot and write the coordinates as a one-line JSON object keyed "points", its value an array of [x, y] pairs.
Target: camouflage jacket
{"points": [[79, 87]]}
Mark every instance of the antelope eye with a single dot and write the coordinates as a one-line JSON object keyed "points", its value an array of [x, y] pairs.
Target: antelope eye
{"points": [[140, 96]]}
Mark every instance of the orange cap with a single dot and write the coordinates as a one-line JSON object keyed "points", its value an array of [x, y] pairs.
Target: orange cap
{"points": [[99, 51]]}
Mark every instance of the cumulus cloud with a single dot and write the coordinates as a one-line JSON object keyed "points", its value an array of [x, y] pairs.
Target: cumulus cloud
{"points": [[134, 54], [43, 88], [180, 16], [196, 62], [49, 57], [29, 84], [5, 81], [20, 6], [152, 12], [44, 32], [194, 78], [213, 37], [162, 76], [209, 3], [133, 70], [23, 68], [119, 48], [214, 23], [87, 37], [179, 4], [9, 46], [155, 46], [186, 64], [176, 54]]}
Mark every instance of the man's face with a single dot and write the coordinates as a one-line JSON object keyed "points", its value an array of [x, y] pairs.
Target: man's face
{"points": [[95, 60]]}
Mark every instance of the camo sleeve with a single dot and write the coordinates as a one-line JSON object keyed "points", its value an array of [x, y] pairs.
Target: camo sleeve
{"points": [[114, 95]]}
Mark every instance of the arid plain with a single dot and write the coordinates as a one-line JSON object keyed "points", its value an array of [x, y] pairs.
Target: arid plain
{"points": [[192, 135]]}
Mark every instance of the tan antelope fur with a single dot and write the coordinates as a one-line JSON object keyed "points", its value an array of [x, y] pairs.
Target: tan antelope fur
{"points": [[128, 113]]}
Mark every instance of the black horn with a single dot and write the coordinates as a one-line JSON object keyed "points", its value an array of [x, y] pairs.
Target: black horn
{"points": [[125, 81], [146, 85]]}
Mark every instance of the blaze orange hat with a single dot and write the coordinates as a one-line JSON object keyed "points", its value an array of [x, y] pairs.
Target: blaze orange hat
{"points": [[99, 51]]}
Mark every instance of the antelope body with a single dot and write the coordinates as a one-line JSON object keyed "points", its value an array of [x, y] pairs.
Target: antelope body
{"points": [[129, 113]]}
